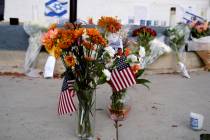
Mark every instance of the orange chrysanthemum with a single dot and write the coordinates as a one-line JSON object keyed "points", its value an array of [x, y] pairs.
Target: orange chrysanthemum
{"points": [[88, 45], [78, 33], [70, 61], [65, 38], [135, 68], [96, 37], [110, 24]]}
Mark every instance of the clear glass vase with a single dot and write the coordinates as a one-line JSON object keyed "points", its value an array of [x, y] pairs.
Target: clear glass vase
{"points": [[86, 112], [119, 105]]}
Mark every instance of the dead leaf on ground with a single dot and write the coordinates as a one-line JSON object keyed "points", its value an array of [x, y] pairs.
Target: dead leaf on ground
{"points": [[154, 107], [174, 125]]}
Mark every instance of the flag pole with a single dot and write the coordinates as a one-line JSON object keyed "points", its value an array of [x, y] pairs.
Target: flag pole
{"points": [[73, 11]]}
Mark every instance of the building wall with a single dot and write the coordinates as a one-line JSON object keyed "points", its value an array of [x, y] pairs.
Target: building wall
{"points": [[27, 10]]}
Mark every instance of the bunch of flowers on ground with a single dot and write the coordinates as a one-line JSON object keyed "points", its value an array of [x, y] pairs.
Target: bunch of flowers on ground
{"points": [[199, 29], [144, 36]]}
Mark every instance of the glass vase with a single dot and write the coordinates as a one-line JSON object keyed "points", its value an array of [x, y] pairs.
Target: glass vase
{"points": [[119, 105], [86, 114]]}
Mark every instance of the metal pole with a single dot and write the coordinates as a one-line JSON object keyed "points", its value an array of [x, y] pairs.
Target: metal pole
{"points": [[73, 11]]}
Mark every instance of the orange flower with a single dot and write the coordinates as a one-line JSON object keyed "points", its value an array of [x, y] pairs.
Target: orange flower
{"points": [[90, 20], [69, 26], [88, 45], [78, 33], [96, 37], [70, 61], [88, 58], [127, 51], [110, 24], [65, 38], [135, 68]]}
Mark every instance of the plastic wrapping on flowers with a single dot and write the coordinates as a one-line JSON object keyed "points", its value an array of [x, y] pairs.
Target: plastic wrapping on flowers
{"points": [[35, 31]]}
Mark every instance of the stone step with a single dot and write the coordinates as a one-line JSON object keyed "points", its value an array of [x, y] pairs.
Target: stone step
{"points": [[13, 61]]}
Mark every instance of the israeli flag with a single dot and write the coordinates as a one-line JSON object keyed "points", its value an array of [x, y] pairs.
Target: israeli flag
{"points": [[56, 8], [190, 15]]}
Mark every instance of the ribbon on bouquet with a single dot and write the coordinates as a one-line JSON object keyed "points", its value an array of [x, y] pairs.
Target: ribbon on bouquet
{"points": [[66, 103]]}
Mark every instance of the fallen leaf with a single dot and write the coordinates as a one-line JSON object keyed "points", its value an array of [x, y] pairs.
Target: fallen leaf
{"points": [[99, 109], [154, 107], [174, 126], [120, 125]]}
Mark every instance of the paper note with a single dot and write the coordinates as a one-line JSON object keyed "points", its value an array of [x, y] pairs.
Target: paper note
{"points": [[49, 67]]}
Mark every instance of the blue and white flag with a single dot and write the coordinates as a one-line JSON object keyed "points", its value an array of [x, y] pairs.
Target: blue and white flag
{"points": [[190, 15], [56, 8]]}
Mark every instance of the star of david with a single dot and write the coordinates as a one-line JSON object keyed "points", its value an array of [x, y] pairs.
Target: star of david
{"points": [[58, 6]]}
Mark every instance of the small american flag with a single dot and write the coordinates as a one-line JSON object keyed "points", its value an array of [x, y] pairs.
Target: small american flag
{"points": [[122, 77], [66, 104]]}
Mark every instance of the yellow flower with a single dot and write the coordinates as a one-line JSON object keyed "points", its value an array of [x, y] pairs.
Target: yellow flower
{"points": [[57, 52], [52, 26]]}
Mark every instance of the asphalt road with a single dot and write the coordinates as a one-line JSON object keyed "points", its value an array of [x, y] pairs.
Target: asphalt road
{"points": [[28, 109]]}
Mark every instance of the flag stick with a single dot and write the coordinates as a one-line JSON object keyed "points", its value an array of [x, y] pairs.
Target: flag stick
{"points": [[73, 11]]}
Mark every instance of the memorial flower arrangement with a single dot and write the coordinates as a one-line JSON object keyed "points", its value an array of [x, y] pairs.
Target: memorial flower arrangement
{"points": [[200, 34], [123, 70], [177, 37], [199, 29], [82, 51], [144, 36]]}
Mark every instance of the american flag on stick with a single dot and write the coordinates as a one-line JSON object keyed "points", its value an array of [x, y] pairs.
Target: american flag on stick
{"points": [[122, 77], [66, 104]]}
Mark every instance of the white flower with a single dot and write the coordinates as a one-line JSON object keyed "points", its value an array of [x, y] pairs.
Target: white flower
{"points": [[84, 35], [110, 51], [142, 52], [132, 57], [107, 73]]}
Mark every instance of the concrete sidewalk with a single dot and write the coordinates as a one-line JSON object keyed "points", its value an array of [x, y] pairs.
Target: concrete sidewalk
{"points": [[28, 109]]}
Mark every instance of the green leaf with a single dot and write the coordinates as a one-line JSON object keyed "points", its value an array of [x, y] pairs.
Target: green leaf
{"points": [[143, 82], [146, 86], [140, 72], [101, 79]]}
